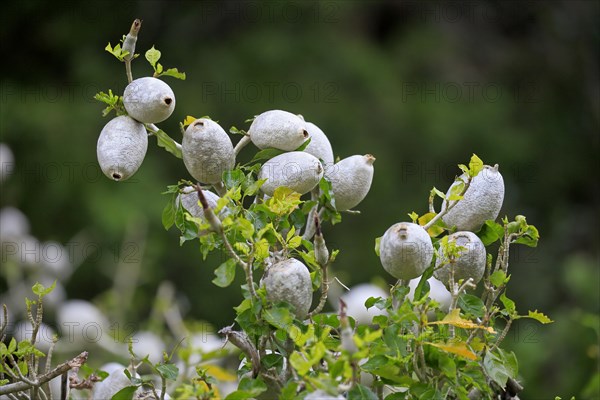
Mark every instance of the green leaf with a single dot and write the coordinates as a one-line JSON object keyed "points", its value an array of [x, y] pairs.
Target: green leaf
{"points": [[266, 154], [490, 232], [168, 371], [414, 217], [360, 392], [423, 286], [495, 369], [475, 166], [153, 55], [436, 192], [125, 394], [471, 305], [247, 389], [538, 316], [529, 237], [41, 290], [174, 72], [233, 178], [168, 214], [225, 273], [279, 317], [166, 142], [509, 305], [499, 278], [12, 346], [377, 244], [455, 190], [447, 366], [304, 145]]}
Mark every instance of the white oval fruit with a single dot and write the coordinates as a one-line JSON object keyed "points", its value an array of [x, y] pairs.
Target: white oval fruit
{"points": [[121, 147], [351, 180], [482, 201], [189, 201], [289, 281], [279, 130], [355, 302], [470, 262], [405, 250], [149, 100], [115, 381], [296, 170], [437, 292], [7, 162], [13, 223], [84, 322], [319, 145], [207, 151], [146, 343]]}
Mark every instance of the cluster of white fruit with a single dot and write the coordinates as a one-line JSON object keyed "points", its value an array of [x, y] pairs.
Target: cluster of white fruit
{"points": [[406, 249], [208, 152]]}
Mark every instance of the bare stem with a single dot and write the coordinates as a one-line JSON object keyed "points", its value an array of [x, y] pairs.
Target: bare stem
{"points": [[242, 342], [42, 379], [241, 144]]}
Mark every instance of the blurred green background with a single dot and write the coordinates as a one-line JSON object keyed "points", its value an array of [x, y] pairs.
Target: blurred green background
{"points": [[421, 85]]}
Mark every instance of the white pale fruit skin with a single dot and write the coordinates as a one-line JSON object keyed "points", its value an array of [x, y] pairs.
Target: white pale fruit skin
{"points": [[482, 201], [351, 180], [207, 151], [469, 264], [84, 321], [405, 250], [13, 223], [355, 302], [279, 130], [189, 201], [296, 170], [146, 343], [437, 292], [114, 382], [289, 281], [43, 338], [319, 145], [322, 395], [121, 147], [7, 162], [149, 100]]}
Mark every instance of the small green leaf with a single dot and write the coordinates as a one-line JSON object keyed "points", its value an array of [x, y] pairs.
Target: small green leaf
{"points": [[475, 166], [168, 371], [166, 142], [471, 305], [414, 217], [153, 55], [496, 369], [490, 232], [360, 392], [12, 346], [498, 278], [125, 394], [538, 316], [509, 305], [304, 145], [436, 192], [377, 244], [279, 317], [266, 154], [174, 72], [168, 214], [41, 291], [225, 273]]}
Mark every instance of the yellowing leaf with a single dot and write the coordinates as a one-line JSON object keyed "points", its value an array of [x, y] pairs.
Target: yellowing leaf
{"points": [[475, 165], [455, 319], [284, 201], [435, 229], [219, 373], [188, 120], [459, 348]]}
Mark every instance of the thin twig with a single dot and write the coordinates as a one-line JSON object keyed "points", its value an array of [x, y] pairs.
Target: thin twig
{"points": [[42, 379], [449, 206], [241, 144]]}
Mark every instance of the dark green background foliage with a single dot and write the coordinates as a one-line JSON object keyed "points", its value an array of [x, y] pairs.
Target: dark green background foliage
{"points": [[421, 85]]}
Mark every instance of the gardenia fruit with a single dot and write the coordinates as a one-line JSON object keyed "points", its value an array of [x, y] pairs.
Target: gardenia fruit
{"points": [[351, 180], [470, 262], [296, 170], [289, 281], [405, 250], [189, 201], [207, 151], [355, 302], [437, 292], [149, 100], [319, 145], [121, 147], [482, 201], [279, 130], [115, 381]]}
